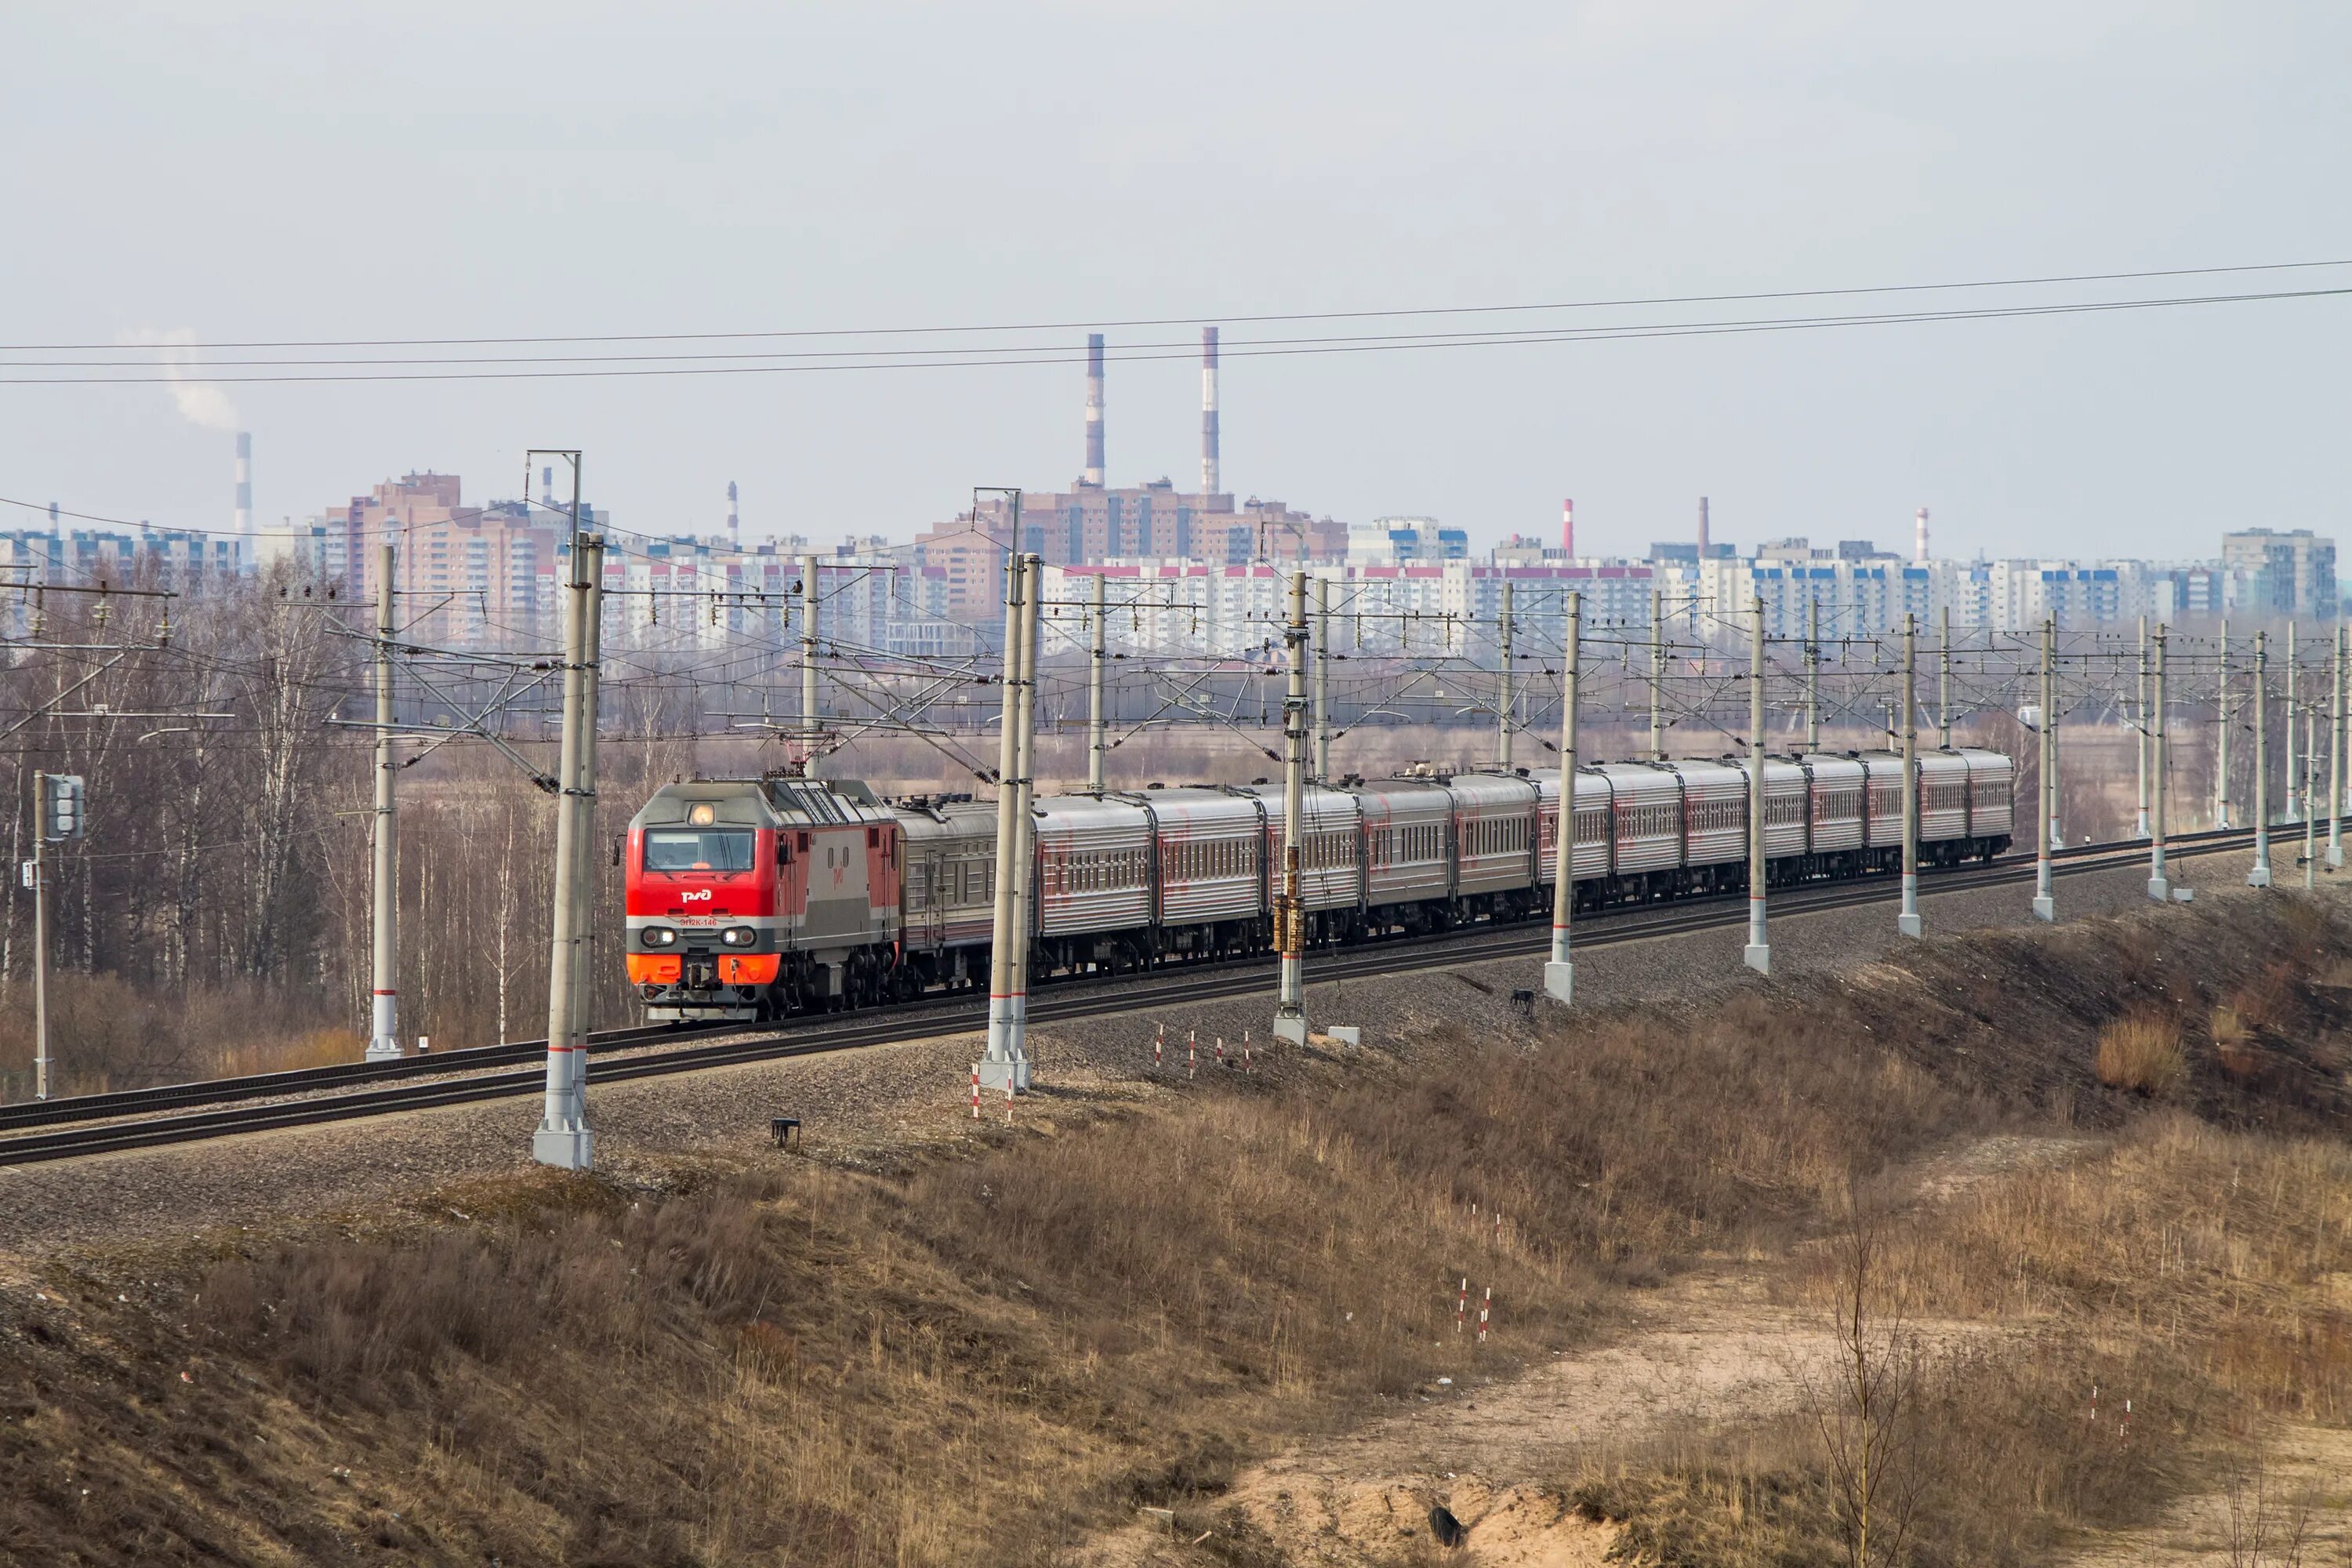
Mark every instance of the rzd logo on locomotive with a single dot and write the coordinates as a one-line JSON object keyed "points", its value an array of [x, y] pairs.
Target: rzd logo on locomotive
{"points": [[693, 893]]}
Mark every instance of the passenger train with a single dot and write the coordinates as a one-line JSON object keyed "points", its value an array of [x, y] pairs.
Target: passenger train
{"points": [[758, 898]]}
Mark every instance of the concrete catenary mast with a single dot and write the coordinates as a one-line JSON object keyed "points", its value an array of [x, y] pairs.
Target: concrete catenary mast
{"points": [[2139, 822], [2260, 877], [1758, 956], [1002, 1061], [1560, 970], [1503, 684], [2336, 744], [1290, 914], [2045, 805], [1323, 679], [809, 711], [383, 1012], [1908, 922], [2159, 885], [2221, 735], [563, 1138], [1096, 658]]}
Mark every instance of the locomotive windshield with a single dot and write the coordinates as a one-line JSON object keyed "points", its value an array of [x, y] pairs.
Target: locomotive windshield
{"points": [[698, 849]]}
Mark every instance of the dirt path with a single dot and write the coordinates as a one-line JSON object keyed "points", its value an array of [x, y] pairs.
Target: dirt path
{"points": [[2302, 1496], [1707, 1351]]}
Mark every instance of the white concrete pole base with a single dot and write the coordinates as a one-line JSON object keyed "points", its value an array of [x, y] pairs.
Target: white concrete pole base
{"points": [[2260, 877], [1291, 1026], [1758, 957], [565, 1148], [2159, 890], [1560, 982], [1907, 925], [2139, 826], [2335, 857], [385, 1048], [2045, 907], [994, 1073]]}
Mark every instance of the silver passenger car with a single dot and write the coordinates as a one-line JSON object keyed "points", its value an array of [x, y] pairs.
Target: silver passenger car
{"points": [[1408, 841], [1210, 847], [1331, 848]]}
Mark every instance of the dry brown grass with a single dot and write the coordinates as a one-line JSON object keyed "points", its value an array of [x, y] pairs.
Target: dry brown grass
{"points": [[1014, 1345], [2141, 1051]]}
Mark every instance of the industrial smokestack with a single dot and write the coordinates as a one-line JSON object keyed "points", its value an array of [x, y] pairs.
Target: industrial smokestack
{"points": [[1211, 471], [734, 529], [547, 486], [1919, 539], [1094, 409], [1568, 529], [244, 483], [1703, 540]]}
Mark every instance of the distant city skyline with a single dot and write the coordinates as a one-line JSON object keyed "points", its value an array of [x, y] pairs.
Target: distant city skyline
{"points": [[560, 172]]}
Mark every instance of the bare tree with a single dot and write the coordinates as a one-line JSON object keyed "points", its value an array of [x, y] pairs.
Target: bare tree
{"points": [[1868, 1405]]}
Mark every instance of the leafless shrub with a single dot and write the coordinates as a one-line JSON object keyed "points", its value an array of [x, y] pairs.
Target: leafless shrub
{"points": [[1868, 1408]]}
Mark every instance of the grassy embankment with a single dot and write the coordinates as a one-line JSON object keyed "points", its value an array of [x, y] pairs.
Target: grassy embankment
{"points": [[985, 1356]]}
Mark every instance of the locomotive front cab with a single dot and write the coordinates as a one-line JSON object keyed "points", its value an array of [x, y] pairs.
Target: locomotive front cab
{"points": [[708, 882]]}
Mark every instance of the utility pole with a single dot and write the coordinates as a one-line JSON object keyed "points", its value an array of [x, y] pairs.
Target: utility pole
{"points": [[2310, 821], [2260, 877], [1760, 947], [1944, 682], [2222, 741], [384, 1031], [1094, 746], [1003, 1063], [2045, 807], [1323, 679], [57, 816], [2139, 823], [1812, 675], [1559, 972], [2158, 886], [1657, 677], [2291, 774], [809, 719], [1908, 922], [563, 1138], [2336, 744], [583, 884], [1024, 882], [1290, 913], [40, 874], [1503, 687]]}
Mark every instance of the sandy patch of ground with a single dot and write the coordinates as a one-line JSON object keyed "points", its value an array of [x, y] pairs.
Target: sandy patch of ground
{"points": [[2296, 1509]]}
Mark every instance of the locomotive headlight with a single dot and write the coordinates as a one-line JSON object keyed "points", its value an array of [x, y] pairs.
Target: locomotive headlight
{"points": [[660, 936], [739, 936]]}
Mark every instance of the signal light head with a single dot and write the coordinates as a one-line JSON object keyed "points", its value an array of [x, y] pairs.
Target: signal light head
{"points": [[739, 936]]}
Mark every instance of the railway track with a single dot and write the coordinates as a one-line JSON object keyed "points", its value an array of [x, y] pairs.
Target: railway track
{"points": [[150, 1118]]}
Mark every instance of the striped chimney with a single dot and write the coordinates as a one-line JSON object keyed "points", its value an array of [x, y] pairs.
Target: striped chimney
{"points": [[1919, 539], [1568, 529], [1211, 470], [1704, 544], [245, 482], [1094, 408]]}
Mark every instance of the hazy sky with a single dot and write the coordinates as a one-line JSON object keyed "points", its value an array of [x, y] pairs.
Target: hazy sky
{"points": [[365, 169]]}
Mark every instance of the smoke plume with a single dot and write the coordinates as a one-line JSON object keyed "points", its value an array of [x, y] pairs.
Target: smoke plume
{"points": [[201, 402]]}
